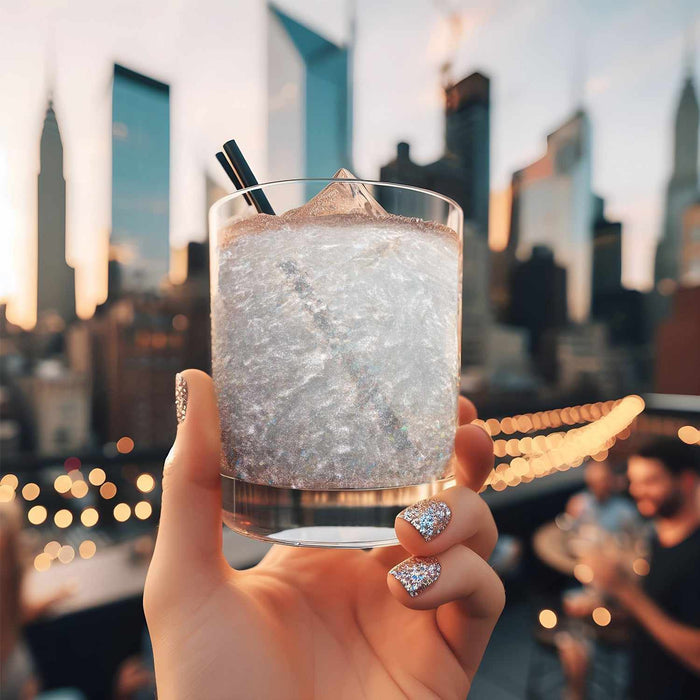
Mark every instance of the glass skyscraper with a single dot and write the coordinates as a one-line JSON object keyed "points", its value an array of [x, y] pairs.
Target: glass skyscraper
{"points": [[310, 101], [140, 179]]}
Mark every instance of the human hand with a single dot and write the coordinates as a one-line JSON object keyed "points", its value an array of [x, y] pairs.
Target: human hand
{"points": [[607, 572], [132, 676], [318, 623]]}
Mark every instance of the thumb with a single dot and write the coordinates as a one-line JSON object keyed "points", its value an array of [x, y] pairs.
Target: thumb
{"points": [[189, 535]]}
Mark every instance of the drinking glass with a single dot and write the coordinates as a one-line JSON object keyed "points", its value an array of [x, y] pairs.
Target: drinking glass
{"points": [[336, 329]]}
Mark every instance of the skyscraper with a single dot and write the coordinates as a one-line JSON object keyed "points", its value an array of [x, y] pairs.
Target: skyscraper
{"points": [[682, 188], [553, 205], [140, 179], [467, 136], [310, 101], [56, 280]]}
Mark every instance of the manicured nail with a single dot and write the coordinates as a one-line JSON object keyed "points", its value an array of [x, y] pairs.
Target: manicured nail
{"points": [[180, 398], [430, 517], [416, 574]]}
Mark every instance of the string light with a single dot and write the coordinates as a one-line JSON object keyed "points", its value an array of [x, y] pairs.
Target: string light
{"points": [[599, 426], [30, 492]]}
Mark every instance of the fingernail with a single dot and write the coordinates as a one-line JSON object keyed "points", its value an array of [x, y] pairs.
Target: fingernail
{"points": [[180, 398], [416, 574], [430, 517]]}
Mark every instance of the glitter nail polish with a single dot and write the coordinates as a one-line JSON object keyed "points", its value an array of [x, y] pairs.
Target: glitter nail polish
{"points": [[416, 574], [430, 517], [180, 398]]}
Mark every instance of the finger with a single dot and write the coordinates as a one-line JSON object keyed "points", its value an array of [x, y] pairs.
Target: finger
{"points": [[474, 452], [190, 533], [466, 591], [467, 411], [457, 515]]}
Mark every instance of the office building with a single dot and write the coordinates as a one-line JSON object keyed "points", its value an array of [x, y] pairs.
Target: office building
{"points": [[55, 278], [690, 246], [553, 205], [467, 136], [682, 189], [677, 368], [139, 240], [309, 101]]}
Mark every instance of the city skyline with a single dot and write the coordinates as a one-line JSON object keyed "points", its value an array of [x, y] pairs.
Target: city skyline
{"points": [[632, 181]]}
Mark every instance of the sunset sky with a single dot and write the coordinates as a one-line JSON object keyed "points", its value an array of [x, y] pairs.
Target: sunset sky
{"points": [[624, 61]]}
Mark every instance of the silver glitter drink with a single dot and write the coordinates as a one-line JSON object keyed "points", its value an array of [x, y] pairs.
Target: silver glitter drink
{"points": [[335, 345]]}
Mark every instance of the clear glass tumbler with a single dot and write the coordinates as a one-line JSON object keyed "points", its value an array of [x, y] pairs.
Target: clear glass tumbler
{"points": [[336, 326]]}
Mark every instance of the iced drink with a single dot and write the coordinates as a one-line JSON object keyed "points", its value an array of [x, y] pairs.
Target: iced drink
{"points": [[335, 339]]}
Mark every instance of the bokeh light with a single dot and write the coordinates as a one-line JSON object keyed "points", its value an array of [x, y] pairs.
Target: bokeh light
{"points": [[7, 493], [79, 489], [63, 518], [31, 491], [87, 549], [9, 480], [66, 554], [143, 510], [36, 515], [689, 435], [125, 445], [97, 476], [640, 567], [122, 512], [548, 619], [89, 517], [42, 562], [601, 616], [63, 483], [52, 548], [108, 490], [145, 483]]}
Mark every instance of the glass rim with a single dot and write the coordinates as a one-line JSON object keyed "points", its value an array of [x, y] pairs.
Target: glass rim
{"points": [[330, 180]]}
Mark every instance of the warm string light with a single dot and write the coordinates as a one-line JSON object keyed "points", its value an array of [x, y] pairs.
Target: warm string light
{"points": [[548, 619], [598, 426]]}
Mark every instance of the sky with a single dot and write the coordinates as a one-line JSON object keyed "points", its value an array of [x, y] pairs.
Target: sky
{"points": [[623, 61]]}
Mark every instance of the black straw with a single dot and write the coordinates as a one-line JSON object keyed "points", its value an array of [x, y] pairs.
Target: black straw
{"points": [[232, 176], [239, 172]]}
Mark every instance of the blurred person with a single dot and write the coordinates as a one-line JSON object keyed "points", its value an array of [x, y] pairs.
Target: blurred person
{"points": [[601, 503], [316, 623], [18, 677], [664, 478]]}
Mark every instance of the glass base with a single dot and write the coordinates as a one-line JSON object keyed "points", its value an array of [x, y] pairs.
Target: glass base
{"points": [[339, 518]]}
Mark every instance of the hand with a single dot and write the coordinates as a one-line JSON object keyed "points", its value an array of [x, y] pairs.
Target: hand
{"points": [[131, 677], [608, 575], [314, 623]]}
